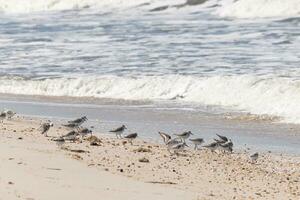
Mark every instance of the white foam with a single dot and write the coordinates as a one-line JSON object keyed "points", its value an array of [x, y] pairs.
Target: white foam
{"points": [[29, 6], [227, 8], [272, 96], [259, 8]]}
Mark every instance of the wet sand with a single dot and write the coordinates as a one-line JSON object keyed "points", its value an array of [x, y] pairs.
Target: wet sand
{"points": [[247, 132], [34, 167]]}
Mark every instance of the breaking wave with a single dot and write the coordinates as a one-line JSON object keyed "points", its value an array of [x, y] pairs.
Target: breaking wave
{"points": [[272, 96], [223, 8], [259, 8], [28, 6]]}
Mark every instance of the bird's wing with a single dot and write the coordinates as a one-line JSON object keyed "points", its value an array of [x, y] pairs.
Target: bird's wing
{"points": [[117, 129], [222, 137]]}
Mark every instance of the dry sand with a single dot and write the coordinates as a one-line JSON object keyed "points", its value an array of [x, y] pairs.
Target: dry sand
{"points": [[34, 167]]}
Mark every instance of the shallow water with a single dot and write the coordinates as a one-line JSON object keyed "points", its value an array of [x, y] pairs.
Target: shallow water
{"points": [[221, 53], [147, 121]]}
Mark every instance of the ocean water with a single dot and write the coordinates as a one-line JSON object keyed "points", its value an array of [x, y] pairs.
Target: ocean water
{"points": [[239, 56]]}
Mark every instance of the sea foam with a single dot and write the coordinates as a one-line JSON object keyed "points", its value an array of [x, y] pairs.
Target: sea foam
{"points": [[29, 6], [259, 8], [223, 8], [273, 96]]}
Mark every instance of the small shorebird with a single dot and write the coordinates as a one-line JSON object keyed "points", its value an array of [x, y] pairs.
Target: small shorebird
{"points": [[84, 131], [226, 147], [119, 131], [254, 157], [78, 121], [71, 136], [179, 147], [2, 116], [45, 128], [173, 142], [131, 137], [212, 146], [185, 135], [197, 141], [165, 137], [9, 114]]}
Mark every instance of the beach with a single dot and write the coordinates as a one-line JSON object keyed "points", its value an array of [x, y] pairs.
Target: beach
{"points": [[35, 167], [223, 73]]}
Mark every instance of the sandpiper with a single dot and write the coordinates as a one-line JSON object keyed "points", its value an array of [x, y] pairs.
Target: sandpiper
{"points": [[71, 136], [254, 157], [173, 142], [2, 116], [185, 135], [212, 146], [45, 128], [179, 147], [119, 131], [84, 131], [131, 137], [164, 136], [197, 141], [78, 121], [226, 147], [9, 114]]}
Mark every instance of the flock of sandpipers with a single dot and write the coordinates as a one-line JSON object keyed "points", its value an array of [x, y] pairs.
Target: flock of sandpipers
{"points": [[174, 145]]}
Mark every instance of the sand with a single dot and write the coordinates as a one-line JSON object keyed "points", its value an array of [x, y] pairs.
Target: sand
{"points": [[35, 167]]}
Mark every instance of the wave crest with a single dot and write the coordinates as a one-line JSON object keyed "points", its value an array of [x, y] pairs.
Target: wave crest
{"points": [[28, 6], [259, 8], [271, 96], [225, 8]]}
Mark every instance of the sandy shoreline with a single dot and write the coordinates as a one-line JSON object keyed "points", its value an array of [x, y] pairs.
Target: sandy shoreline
{"points": [[38, 169], [32, 167], [257, 135]]}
